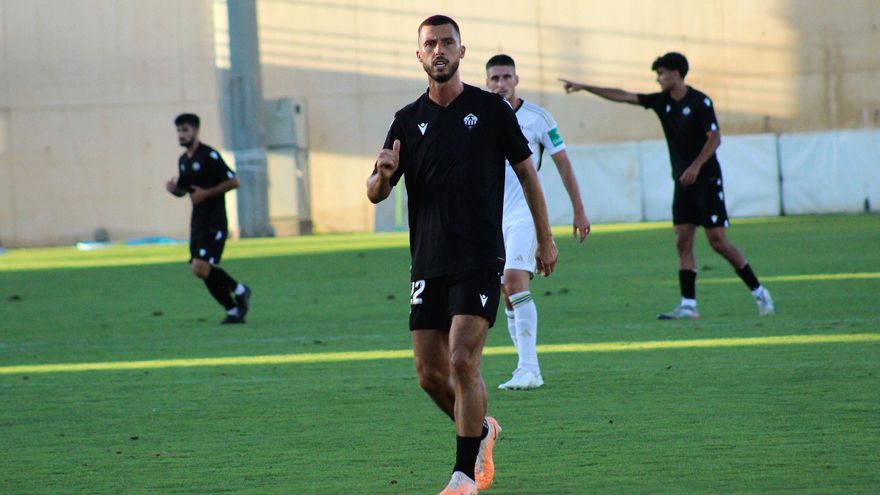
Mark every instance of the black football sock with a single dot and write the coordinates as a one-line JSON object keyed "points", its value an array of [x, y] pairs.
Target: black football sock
{"points": [[687, 280], [748, 276], [466, 451], [223, 278], [221, 293]]}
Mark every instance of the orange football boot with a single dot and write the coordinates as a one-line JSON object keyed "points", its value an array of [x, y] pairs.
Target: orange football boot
{"points": [[485, 467]]}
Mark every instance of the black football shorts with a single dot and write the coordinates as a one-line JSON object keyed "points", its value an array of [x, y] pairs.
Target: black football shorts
{"points": [[433, 302], [207, 245], [701, 203]]}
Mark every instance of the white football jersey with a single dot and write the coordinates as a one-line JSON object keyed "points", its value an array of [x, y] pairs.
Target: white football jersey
{"points": [[540, 130]]}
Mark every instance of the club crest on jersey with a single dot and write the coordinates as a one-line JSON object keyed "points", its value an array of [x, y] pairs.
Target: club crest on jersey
{"points": [[686, 111], [423, 127], [196, 166], [470, 120], [668, 108]]}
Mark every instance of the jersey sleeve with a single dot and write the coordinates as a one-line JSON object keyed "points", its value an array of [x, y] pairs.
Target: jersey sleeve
{"points": [[706, 114], [395, 132], [551, 140], [218, 167], [511, 140], [650, 100]]}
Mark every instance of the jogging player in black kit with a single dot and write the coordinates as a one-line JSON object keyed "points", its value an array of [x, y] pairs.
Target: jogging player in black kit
{"points": [[450, 147], [692, 134], [205, 176]]}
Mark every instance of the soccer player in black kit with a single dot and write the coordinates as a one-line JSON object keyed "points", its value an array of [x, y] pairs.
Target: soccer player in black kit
{"points": [[205, 176], [450, 147], [692, 135]]}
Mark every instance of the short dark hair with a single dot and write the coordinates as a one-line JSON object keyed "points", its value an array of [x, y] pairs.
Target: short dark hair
{"points": [[439, 20], [501, 60], [672, 61], [187, 118]]}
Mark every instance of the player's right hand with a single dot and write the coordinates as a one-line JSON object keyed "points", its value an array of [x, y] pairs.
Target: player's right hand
{"points": [[171, 185], [546, 256], [570, 87], [388, 160]]}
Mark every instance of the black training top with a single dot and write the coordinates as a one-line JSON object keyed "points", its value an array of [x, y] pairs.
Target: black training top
{"points": [[205, 169], [452, 160], [685, 124]]}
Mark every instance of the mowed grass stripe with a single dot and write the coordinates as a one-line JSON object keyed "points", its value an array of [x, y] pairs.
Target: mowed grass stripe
{"points": [[407, 353], [819, 277]]}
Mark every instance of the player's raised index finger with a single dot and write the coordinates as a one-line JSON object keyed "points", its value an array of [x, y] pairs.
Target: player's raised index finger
{"points": [[395, 146]]}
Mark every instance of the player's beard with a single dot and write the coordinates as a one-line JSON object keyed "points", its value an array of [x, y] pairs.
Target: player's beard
{"points": [[187, 144], [452, 68]]}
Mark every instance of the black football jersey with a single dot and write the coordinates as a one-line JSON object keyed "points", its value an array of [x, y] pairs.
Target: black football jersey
{"points": [[452, 160], [685, 124], [205, 169]]}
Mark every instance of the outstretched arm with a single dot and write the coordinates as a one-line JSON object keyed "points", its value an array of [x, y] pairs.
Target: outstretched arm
{"points": [[580, 223], [545, 253], [612, 94]]}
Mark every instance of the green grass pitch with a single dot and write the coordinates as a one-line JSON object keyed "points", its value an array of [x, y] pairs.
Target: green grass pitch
{"points": [[799, 418]]}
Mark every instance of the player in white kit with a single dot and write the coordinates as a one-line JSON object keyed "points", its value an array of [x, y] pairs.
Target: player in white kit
{"points": [[540, 130]]}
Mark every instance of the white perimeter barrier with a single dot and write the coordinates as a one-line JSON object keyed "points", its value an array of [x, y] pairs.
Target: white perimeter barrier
{"points": [[830, 171], [827, 172]]}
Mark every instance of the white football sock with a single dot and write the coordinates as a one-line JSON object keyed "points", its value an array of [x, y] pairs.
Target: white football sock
{"points": [[239, 289], [511, 324], [526, 315], [692, 303]]}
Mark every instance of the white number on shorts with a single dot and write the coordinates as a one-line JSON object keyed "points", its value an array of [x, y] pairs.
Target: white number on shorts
{"points": [[417, 288]]}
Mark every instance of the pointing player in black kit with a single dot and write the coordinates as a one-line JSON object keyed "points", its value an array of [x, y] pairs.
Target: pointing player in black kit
{"points": [[450, 146], [692, 134], [205, 176]]}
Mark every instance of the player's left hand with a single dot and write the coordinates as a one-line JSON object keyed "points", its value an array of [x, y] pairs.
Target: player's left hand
{"points": [[689, 176], [581, 226], [546, 255], [197, 195]]}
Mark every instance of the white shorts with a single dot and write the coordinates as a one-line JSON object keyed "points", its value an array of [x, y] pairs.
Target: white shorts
{"points": [[520, 243]]}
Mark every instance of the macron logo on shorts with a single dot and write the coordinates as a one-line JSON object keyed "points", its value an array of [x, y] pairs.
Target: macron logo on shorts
{"points": [[484, 299]]}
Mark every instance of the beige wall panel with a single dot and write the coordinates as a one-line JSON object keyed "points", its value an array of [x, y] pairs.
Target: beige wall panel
{"points": [[7, 190], [109, 174], [4, 60], [82, 78], [339, 166], [75, 52]]}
